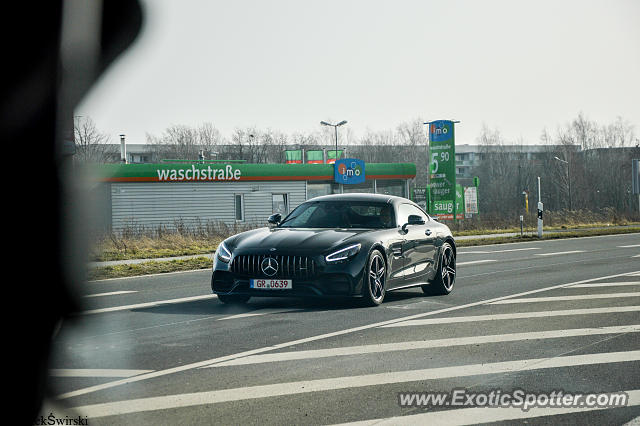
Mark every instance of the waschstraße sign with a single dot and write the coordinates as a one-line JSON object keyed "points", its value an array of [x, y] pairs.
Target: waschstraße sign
{"points": [[349, 171], [225, 172]]}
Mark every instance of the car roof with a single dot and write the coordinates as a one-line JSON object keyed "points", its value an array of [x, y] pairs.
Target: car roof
{"points": [[358, 196]]}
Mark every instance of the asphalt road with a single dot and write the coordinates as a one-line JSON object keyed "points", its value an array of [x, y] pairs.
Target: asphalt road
{"points": [[560, 315]]}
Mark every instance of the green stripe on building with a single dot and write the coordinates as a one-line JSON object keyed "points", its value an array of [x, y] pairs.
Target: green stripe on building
{"points": [[235, 172]]}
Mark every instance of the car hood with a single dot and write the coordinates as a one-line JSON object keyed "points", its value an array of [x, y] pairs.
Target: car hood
{"points": [[298, 239]]}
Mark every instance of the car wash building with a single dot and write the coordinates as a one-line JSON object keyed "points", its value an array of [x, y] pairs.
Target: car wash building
{"points": [[164, 195]]}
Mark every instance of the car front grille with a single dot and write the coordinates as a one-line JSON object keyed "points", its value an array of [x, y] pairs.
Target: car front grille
{"points": [[288, 266]]}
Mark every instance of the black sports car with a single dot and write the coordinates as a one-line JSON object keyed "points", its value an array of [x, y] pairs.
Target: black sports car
{"points": [[357, 245]]}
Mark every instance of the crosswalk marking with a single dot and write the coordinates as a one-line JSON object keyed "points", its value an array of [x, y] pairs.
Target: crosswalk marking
{"points": [[94, 372], [291, 343], [559, 253], [517, 315], [425, 344], [259, 312], [301, 387], [476, 415], [563, 298], [618, 284]]}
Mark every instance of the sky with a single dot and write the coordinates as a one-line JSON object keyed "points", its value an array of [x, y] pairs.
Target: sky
{"points": [[515, 66]]}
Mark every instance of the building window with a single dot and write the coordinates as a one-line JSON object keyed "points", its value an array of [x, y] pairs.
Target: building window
{"points": [[391, 187], [239, 206], [280, 204], [367, 186], [315, 189]]}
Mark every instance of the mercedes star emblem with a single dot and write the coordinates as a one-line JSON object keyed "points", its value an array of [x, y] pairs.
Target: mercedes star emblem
{"points": [[269, 266]]}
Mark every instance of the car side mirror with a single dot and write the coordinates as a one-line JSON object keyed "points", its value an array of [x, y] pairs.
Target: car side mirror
{"points": [[413, 219], [433, 218], [275, 219]]}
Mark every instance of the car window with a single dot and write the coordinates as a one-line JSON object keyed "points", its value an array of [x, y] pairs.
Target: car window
{"points": [[404, 210], [333, 214]]}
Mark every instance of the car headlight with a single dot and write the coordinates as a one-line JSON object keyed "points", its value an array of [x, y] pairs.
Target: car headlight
{"points": [[223, 253], [343, 254]]}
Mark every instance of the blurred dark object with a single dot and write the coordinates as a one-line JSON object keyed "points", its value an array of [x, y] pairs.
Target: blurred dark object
{"points": [[53, 52]]}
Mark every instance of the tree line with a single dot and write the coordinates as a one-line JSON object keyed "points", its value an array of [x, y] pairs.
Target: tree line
{"points": [[583, 165]]}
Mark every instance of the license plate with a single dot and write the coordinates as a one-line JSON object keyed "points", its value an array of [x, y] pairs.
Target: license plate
{"points": [[264, 284]]}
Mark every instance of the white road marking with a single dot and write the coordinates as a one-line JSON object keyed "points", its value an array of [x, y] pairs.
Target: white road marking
{"points": [[563, 298], [630, 246], [518, 315], [94, 372], [111, 293], [517, 249], [498, 251], [148, 304], [342, 332], [258, 312], [637, 255], [559, 253], [425, 344], [348, 382], [477, 415], [623, 283], [474, 262]]}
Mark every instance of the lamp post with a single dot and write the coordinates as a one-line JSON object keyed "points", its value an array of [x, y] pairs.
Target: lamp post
{"points": [[335, 127], [568, 178]]}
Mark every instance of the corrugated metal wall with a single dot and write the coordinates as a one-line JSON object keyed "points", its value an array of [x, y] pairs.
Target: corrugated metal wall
{"points": [[168, 204]]}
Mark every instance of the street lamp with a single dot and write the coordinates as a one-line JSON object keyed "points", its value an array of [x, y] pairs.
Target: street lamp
{"points": [[568, 178], [335, 127]]}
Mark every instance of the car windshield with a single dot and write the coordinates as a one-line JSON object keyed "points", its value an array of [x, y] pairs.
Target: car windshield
{"points": [[332, 214]]}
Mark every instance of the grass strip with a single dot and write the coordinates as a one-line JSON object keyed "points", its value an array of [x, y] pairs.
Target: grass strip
{"points": [[534, 229], [546, 236], [148, 268]]}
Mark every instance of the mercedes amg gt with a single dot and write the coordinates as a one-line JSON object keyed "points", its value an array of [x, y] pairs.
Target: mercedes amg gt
{"points": [[342, 245]]}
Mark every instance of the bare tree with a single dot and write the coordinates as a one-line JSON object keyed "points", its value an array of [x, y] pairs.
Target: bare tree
{"points": [[209, 139], [92, 146], [177, 142]]}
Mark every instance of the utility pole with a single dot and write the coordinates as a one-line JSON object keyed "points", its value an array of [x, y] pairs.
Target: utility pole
{"points": [[568, 179], [335, 126]]}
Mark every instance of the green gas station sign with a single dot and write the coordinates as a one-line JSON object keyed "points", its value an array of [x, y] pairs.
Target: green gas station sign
{"points": [[442, 169]]}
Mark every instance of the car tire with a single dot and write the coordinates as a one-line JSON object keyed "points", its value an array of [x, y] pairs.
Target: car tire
{"points": [[374, 279], [445, 278], [233, 299]]}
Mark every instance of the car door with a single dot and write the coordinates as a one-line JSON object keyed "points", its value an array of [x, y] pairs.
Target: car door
{"points": [[418, 246]]}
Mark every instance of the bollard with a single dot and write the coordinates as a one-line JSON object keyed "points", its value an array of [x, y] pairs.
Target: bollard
{"points": [[521, 225], [540, 209]]}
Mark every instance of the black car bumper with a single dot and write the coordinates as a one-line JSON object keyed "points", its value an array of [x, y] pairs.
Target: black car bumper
{"points": [[325, 285], [342, 279]]}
